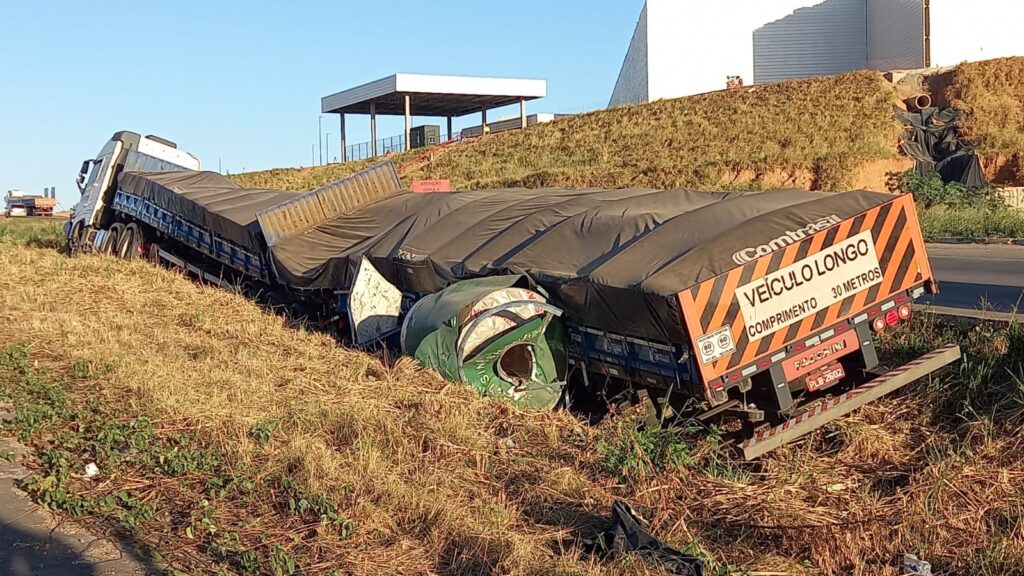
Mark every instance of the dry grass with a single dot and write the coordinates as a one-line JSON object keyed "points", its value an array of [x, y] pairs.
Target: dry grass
{"points": [[439, 481], [822, 133], [301, 179], [992, 93], [824, 128]]}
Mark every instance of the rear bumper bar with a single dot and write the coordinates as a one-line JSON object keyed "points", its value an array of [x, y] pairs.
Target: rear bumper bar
{"points": [[832, 408]]}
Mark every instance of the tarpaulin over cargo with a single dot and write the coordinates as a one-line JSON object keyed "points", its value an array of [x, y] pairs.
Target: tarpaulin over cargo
{"points": [[207, 199], [611, 259]]}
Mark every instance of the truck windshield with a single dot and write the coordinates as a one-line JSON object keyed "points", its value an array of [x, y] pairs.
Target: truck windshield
{"points": [[97, 170]]}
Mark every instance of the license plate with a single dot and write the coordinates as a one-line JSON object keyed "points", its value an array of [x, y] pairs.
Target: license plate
{"points": [[815, 359], [827, 377]]}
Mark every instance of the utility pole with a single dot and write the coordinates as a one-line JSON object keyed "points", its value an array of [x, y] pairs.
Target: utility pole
{"points": [[327, 141], [312, 151]]}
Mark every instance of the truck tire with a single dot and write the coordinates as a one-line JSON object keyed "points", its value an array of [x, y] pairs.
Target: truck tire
{"points": [[113, 237], [153, 254], [74, 238], [128, 243]]}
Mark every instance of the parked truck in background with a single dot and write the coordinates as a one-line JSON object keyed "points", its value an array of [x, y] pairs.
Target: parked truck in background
{"points": [[760, 308]]}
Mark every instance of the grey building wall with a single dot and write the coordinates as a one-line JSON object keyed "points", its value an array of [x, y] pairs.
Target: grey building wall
{"points": [[825, 39], [895, 34], [631, 87]]}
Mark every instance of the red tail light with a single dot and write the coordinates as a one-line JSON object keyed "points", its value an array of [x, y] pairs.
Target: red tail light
{"points": [[892, 317], [878, 324]]}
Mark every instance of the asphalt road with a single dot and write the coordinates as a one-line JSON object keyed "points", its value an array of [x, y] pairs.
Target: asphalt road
{"points": [[978, 276]]}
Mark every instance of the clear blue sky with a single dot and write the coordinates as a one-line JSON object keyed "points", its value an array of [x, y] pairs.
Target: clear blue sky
{"points": [[241, 82]]}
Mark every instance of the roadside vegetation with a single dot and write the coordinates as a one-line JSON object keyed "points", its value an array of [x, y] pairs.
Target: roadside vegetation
{"points": [[230, 440], [956, 211], [38, 232]]}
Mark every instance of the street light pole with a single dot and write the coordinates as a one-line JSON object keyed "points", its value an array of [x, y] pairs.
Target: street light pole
{"points": [[327, 141], [312, 152], [320, 137]]}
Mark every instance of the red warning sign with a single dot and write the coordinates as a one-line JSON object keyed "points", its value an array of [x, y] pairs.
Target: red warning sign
{"points": [[431, 185]]}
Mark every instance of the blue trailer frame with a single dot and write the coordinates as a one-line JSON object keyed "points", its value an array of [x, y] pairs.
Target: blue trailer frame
{"points": [[192, 235]]}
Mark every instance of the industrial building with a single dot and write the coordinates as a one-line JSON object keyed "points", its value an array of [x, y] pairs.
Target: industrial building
{"points": [[683, 48], [837, 36]]}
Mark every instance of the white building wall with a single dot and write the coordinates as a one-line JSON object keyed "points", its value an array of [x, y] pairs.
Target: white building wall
{"points": [[684, 47], [631, 86], [976, 30], [895, 34]]}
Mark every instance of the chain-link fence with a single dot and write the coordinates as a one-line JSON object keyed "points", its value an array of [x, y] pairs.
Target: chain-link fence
{"points": [[392, 144]]}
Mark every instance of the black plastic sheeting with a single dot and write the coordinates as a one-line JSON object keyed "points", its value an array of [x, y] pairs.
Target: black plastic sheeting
{"points": [[207, 199], [628, 534], [934, 143], [612, 259]]}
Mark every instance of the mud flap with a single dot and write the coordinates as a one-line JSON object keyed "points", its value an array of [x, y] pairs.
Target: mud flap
{"points": [[832, 408], [374, 306]]}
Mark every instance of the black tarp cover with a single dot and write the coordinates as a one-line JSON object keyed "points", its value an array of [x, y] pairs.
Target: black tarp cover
{"points": [[207, 199], [933, 142], [613, 259]]}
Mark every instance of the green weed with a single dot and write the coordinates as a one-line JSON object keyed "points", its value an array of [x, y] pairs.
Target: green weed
{"points": [[634, 453]]}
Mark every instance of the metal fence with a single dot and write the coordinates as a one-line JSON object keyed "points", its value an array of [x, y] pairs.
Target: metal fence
{"points": [[392, 144]]}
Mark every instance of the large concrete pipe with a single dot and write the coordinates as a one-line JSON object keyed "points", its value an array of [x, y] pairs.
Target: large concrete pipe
{"points": [[919, 102]]}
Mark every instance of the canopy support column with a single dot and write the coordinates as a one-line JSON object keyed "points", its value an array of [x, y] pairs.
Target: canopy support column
{"points": [[522, 113], [450, 135], [373, 129], [344, 150], [408, 124], [483, 121]]}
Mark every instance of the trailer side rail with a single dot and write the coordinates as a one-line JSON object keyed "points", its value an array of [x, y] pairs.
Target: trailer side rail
{"points": [[192, 235]]}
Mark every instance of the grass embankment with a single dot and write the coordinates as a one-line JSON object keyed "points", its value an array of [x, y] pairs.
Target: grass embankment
{"points": [[228, 440], [992, 94], [809, 132], [301, 179]]}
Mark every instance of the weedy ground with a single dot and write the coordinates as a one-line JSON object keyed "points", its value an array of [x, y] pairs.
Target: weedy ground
{"points": [[230, 441]]}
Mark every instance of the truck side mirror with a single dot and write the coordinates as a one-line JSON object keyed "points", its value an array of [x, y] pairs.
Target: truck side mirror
{"points": [[81, 175]]}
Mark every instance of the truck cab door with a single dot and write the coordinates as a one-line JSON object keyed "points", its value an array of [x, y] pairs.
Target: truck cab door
{"points": [[97, 184]]}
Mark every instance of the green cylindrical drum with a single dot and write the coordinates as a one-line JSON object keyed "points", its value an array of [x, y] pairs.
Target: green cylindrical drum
{"points": [[495, 334]]}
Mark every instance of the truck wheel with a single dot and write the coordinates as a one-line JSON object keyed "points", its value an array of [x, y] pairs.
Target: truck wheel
{"points": [[153, 254], [113, 237], [75, 237], [128, 243]]}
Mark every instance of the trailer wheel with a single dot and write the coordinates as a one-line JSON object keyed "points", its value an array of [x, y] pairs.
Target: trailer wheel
{"points": [[128, 243], [153, 254], [114, 234]]}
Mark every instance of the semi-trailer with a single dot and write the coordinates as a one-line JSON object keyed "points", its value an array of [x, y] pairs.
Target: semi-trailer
{"points": [[763, 308]]}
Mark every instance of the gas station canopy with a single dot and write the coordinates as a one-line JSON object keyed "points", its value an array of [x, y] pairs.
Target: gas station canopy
{"points": [[431, 95]]}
